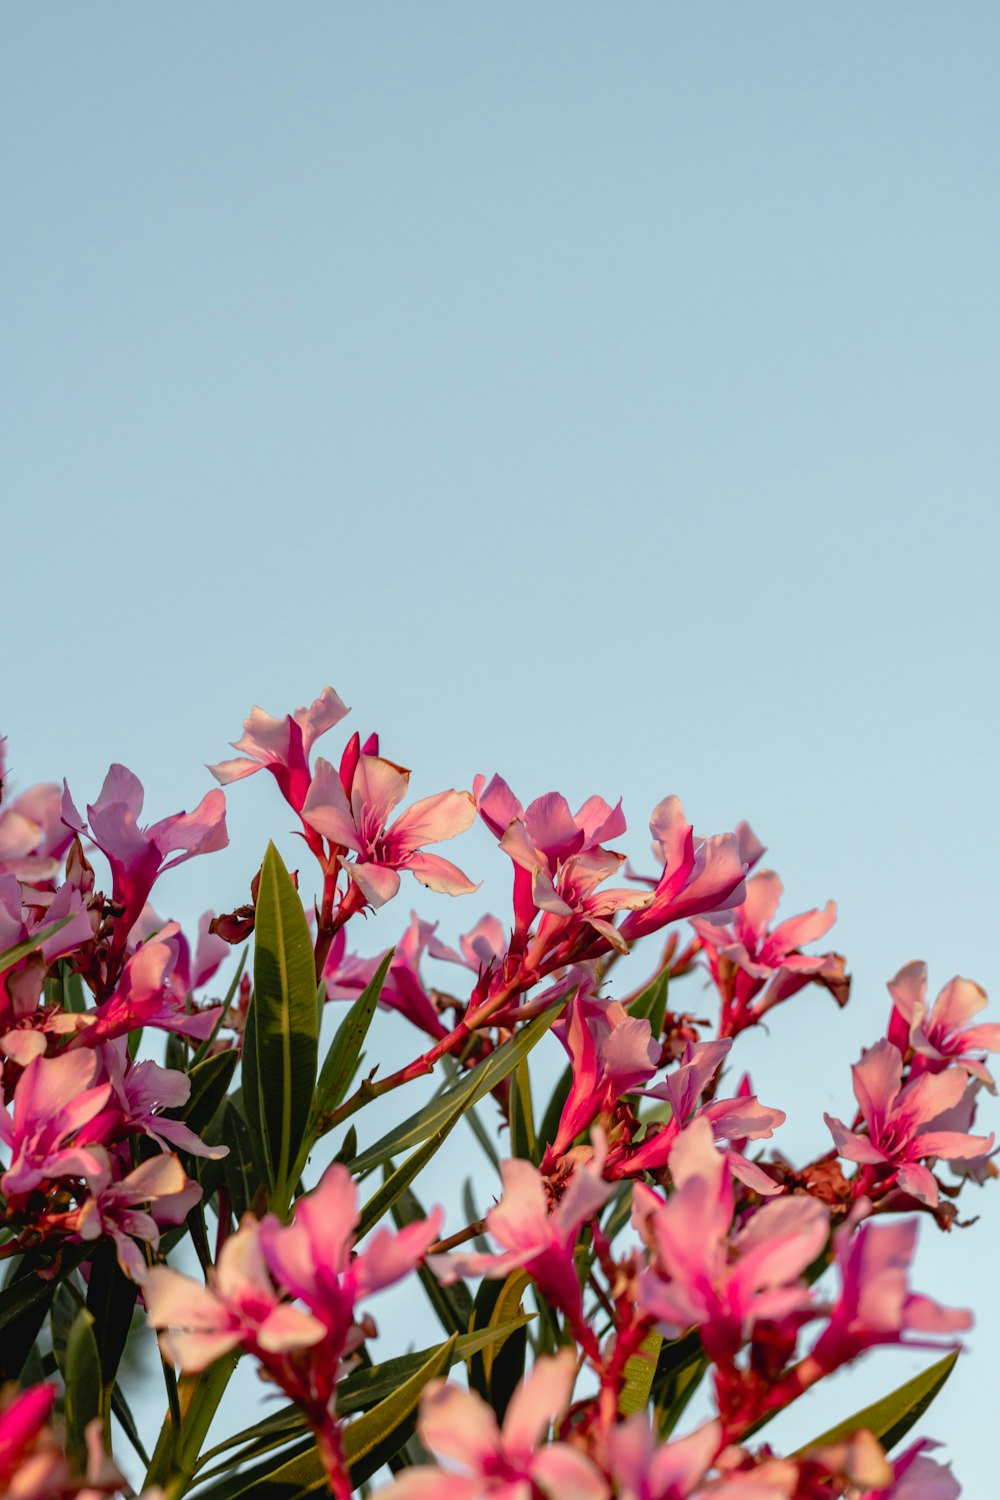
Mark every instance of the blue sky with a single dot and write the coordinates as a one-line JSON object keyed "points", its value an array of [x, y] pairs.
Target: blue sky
{"points": [[605, 396]]}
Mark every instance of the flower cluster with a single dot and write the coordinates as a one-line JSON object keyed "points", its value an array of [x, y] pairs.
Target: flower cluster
{"points": [[645, 1235]]}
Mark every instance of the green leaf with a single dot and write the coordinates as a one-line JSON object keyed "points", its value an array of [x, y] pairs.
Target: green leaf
{"points": [[362, 1390], [24, 1304], [891, 1418], [639, 1372], [10, 956], [679, 1371], [473, 1087], [495, 1372], [549, 1128], [210, 1079], [286, 1031], [342, 1059], [522, 1117], [382, 1200], [452, 1304], [381, 1432], [230, 996], [84, 1387], [111, 1299], [241, 1165], [249, 1095], [651, 1005]]}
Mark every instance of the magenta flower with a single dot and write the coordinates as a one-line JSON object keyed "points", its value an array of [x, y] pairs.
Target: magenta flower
{"points": [[360, 825], [702, 1277], [754, 967], [143, 1091], [282, 746], [347, 975], [699, 875], [733, 1121], [944, 1034], [24, 912], [145, 996], [59, 1116], [875, 1305], [900, 1123], [138, 856], [537, 1239], [611, 1053], [512, 1462]]}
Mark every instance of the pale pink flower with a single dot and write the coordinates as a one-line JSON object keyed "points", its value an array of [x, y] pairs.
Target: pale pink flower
{"points": [[700, 1275], [532, 1237], [512, 1462], [755, 967], [143, 1090], [647, 1469], [282, 746], [699, 875], [479, 948], [60, 1114], [943, 1034], [114, 1209], [915, 1476], [24, 913], [360, 825], [33, 837], [239, 1306], [138, 856], [901, 1123]]}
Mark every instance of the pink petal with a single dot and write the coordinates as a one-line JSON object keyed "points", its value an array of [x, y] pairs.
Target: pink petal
{"points": [[202, 831], [228, 771], [377, 882], [919, 1183], [808, 927], [433, 819], [851, 1146], [564, 1474], [541, 1396], [326, 711], [378, 785], [877, 1080], [327, 809], [498, 807], [288, 1328], [909, 991], [459, 1425], [440, 875], [763, 895], [958, 1002]]}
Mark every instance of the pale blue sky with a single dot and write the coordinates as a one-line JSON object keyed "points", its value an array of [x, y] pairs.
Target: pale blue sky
{"points": [[605, 395]]}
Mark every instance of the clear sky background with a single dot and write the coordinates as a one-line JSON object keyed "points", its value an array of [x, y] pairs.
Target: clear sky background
{"points": [[605, 395]]}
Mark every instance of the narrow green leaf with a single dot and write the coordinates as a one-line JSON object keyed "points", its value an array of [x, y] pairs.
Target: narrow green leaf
{"points": [[345, 1049], [473, 1087], [24, 1304], [452, 1304], [84, 1387], [495, 1372], [362, 1390], [285, 1023], [230, 996], [549, 1128], [210, 1079], [522, 1117], [381, 1432], [111, 1299], [126, 1421], [639, 1372], [891, 1418], [651, 1005], [10, 956], [250, 1096], [381, 1201], [241, 1166]]}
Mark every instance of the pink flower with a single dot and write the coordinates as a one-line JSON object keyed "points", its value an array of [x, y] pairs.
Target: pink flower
{"points": [[239, 1306], [360, 825], [943, 1035], [59, 1116], [699, 875], [755, 968], [145, 996], [612, 1053], [33, 837], [138, 856], [347, 975], [24, 912], [282, 746], [917, 1477], [700, 1276], [479, 948], [900, 1122], [143, 1091], [647, 1469], [113, 1208], [734, 1121], [875, 1305], [537, 1239], [512, 1462], [311, 1260]]}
